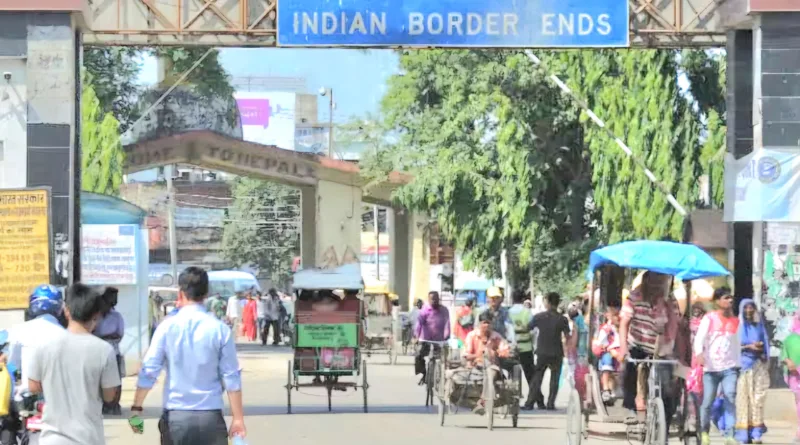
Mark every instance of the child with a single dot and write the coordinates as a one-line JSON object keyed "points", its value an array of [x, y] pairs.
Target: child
{"points": [[606, 346]]}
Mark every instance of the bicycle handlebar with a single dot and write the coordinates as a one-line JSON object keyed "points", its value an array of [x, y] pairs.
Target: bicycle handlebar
{"points": [[434, 342], [652, 361]]}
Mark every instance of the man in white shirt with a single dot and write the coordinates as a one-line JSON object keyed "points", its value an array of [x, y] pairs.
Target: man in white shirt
{"points": [[234, 314], [262, 314], [45, 306]]}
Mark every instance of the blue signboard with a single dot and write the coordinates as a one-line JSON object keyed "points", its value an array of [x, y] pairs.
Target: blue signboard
{"points": [[454, 23]]}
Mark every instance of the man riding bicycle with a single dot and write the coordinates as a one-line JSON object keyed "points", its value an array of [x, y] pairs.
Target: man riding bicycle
{"points": [[433, 325], [649, 324]]}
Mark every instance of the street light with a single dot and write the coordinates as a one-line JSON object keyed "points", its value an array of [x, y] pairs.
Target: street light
{"points": [[323, 91]]}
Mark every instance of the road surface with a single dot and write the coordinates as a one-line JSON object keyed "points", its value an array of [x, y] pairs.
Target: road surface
{"points": [[397, 413]]}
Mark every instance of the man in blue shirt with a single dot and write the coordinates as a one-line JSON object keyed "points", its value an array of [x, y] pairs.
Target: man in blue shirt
{"points": [[199, 352]]}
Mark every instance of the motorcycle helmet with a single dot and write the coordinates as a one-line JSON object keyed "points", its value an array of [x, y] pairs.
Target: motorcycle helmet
{"points": [[45, 299]]}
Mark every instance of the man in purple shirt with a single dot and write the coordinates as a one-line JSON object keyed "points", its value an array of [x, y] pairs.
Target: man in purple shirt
{"points": [[433, 324]]}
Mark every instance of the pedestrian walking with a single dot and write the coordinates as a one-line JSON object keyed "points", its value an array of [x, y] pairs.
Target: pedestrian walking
{"points": [[751, 391], [273, 314], [790, 358], [234, 314], [199, 353], [521, 318], [718, 351], [553, 328], [78, 372], [250, 318], [111, 328]]}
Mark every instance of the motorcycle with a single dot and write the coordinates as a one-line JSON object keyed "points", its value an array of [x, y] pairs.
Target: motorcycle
{"points": [[30, 408]]}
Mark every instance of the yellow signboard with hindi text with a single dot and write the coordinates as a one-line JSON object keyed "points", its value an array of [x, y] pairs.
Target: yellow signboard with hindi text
{"points": [[24, 244]]}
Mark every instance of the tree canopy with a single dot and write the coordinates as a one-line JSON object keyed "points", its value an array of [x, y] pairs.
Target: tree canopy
{"points": [[503, 160], [103, 159], [262, 228]]}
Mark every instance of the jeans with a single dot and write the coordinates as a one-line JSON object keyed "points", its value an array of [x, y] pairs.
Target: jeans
{"points": [[711, 383], [193, 428]]}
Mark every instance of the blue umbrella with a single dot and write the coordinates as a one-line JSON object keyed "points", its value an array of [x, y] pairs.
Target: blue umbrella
{"points": [[684, 261]]}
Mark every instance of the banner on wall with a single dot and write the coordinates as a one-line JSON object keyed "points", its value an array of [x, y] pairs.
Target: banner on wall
{"points": [[24, 244], [108, 254], [268, 117], [763, 186]]}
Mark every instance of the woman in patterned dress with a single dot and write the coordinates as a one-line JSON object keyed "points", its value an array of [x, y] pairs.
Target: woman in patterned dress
{"points": [[753, 382]]}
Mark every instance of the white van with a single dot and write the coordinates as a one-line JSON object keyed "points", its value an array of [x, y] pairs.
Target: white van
{"points": [[227, 283]]}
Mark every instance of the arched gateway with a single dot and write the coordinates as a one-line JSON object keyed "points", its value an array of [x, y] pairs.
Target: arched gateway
{"points": [[332, 192]]}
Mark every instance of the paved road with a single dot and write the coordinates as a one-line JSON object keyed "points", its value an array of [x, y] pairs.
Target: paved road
{"points": [[397, 412]]}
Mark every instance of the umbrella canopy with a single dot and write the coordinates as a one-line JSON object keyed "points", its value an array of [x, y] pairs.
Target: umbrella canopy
{"points": [[683, 261]]}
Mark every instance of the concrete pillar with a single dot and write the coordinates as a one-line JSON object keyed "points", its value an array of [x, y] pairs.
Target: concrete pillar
{"points": [[338, 231], [308, 226], [740, 114], [39, 110], [420, 259], [400, 263]]}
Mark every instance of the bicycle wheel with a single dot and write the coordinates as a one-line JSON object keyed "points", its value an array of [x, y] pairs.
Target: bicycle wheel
{"points": [[691, 420], [574, 419], [655, 423], [429, 375]]}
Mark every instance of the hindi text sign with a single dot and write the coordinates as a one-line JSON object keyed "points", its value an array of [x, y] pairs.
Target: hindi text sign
{"points": [[108, 254], [24, 245], [343, 335]]}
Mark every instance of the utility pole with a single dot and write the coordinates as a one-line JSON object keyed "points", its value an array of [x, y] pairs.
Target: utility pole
{"points": [[329, 93], [376, 213], [164, 67]]}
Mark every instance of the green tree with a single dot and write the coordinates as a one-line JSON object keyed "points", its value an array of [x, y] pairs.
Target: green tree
{"points": [[706, 72], [262, 228], [114, 70], [637, 95], [494, 150], [102, 157]]}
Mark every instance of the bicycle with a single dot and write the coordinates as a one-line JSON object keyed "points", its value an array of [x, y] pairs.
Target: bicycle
{"points": [[655, 423], [433, 373]]}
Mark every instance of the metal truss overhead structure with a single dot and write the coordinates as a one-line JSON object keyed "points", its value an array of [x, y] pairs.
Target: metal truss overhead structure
{"points": [[653, 23]]}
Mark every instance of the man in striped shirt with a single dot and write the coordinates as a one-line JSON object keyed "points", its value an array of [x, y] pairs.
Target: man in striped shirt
{"points": [[649, 316]]}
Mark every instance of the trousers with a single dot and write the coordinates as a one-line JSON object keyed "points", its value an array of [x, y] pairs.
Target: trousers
{"points": [[193, 428], [543, 363]]}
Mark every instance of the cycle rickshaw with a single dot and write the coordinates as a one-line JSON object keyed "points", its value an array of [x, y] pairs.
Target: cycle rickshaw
{"points": [[380, 326], [458, 386], [328, 332], [608, 266]]}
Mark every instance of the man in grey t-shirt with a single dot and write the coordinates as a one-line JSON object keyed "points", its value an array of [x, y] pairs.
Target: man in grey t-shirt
{"points": [[76, 372]]}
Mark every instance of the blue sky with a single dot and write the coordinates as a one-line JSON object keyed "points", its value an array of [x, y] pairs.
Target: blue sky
{"points": [[358, 78]]}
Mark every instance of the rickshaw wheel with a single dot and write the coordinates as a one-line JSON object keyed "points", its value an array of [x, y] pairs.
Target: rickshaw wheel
{"points": [[289, 386], [574, 419], [488, 382], [655, 423], [364, 384], [516, 381]]}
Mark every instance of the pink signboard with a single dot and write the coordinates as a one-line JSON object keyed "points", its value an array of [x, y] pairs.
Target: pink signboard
{"points": [[773, 5], [254, 111]]}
